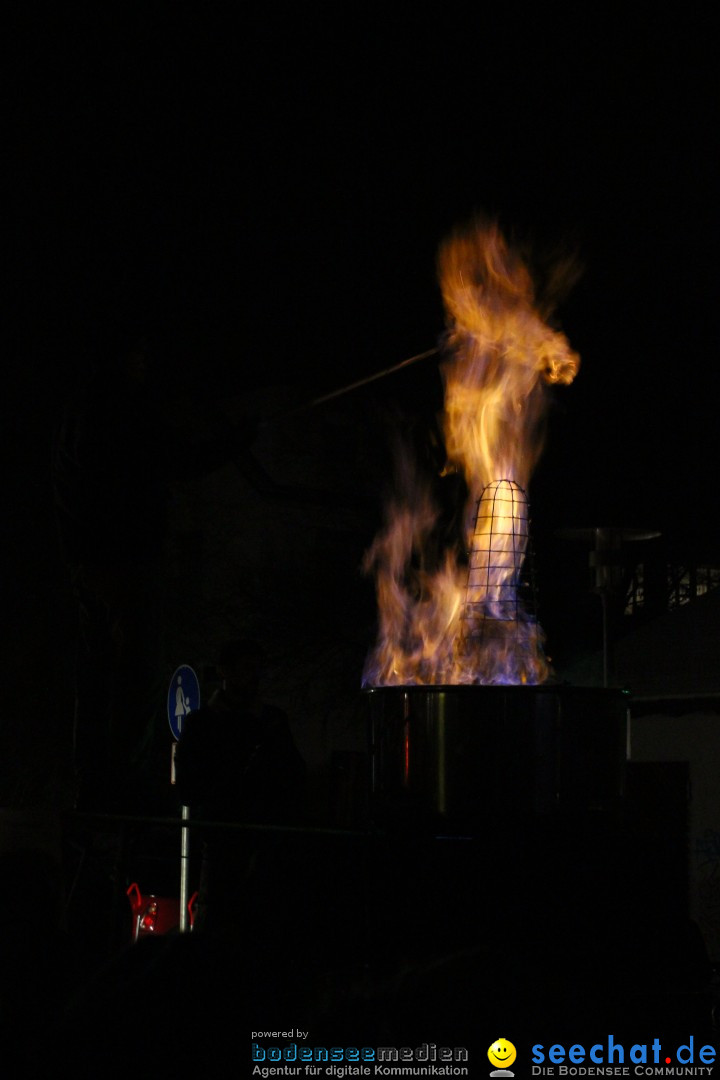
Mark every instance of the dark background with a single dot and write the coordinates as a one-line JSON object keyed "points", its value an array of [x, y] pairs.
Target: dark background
{"points": [[266, 192], [270, 189]]}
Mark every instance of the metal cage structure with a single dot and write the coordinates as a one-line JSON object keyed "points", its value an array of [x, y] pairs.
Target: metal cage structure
{"points": [[500, 586]]}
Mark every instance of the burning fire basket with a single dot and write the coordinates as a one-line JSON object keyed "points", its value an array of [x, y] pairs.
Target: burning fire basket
{"points": [[467, 731], [497, 554], [499, 600]]}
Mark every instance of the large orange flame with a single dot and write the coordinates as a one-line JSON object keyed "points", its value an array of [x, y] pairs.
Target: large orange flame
{"points": [[460, 619]]}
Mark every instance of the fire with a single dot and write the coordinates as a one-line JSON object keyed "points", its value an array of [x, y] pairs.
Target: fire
{"points": [[459, 617]]}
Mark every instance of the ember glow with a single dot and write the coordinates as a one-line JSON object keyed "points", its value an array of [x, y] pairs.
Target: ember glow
{"points": [[459, 618]]}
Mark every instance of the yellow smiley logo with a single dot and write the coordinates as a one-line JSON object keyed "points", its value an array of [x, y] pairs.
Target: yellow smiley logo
{"points": [[502, 1053]]}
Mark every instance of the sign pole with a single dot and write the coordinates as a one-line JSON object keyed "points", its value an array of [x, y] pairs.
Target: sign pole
{"points": [[183, 698], [184, 871]]}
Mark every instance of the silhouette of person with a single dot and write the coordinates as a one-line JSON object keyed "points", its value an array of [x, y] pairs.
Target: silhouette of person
{"points": [[110, 507], [113, 458], [237, 762]]}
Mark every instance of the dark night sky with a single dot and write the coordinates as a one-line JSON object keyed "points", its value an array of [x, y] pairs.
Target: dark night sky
{"points": [[271, 188], [265, 189]]}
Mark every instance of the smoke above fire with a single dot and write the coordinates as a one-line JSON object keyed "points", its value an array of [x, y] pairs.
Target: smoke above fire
{"points": [[458, 615]]}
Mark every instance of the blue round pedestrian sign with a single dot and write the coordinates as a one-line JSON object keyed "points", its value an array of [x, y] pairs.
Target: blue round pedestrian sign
{"points": [[183, 697]]}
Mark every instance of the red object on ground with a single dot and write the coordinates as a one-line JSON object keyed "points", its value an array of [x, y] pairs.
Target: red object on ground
{"points": [[156, 914]]}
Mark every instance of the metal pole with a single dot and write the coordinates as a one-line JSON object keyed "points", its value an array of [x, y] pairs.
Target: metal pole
{"points": [[184, 852], [184, 870], [351, 386]]}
